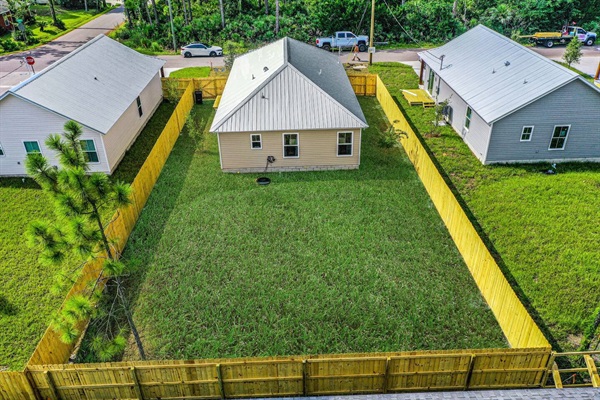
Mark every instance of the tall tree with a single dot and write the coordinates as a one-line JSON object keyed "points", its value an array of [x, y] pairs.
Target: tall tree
{"points": [[276, 16], [222, 14], [80, 201], [155, 12], [266, 7], [53, 12]]}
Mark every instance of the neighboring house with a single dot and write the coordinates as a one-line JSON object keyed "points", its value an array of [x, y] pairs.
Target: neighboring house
{"points": [[291, 101], [5, 17], [511, 104], [111, 90]]}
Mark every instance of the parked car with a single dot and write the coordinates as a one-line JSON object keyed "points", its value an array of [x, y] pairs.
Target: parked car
{"points": [[200, 49], [343, 40]]}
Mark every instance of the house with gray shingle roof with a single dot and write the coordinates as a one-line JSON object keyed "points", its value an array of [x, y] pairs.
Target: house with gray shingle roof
{"points": [[511, 104], [291, 101], [108, 88]]}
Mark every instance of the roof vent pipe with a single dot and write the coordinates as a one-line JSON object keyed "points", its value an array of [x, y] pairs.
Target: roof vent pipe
{"points": [[442, 61]]}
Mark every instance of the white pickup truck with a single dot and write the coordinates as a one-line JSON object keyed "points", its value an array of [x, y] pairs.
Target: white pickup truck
{"points": [[343, 40]]}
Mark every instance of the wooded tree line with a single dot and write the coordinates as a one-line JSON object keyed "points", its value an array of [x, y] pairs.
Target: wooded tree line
{"points": [[403, 21]]}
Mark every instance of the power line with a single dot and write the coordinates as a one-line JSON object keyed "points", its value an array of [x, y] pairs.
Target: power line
{"points": [[399, 24]]}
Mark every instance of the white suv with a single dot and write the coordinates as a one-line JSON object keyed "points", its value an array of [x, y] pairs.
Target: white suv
{"points": [[199, 49]]}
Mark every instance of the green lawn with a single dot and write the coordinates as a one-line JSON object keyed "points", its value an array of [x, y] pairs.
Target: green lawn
{"points": [[71, 18], [26, 302], [191, 72], [543, 228], [316, 262]]}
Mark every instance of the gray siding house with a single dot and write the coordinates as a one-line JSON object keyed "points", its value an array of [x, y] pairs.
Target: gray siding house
{"points": [[511, 104], [108, 88]]}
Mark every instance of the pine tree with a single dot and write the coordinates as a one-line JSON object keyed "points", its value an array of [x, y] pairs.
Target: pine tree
{"points": [[80, 199]]}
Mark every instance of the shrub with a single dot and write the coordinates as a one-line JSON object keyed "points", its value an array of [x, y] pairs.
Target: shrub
{"points": [[42, 24], [60, 24], [9, 45]]}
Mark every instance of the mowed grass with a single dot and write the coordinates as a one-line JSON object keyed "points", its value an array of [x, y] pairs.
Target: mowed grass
{"points": [[190, 72], [544, 229], [316, 262], [26, 302]]}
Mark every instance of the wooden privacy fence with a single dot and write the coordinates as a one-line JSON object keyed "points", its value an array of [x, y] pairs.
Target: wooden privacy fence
{"points": [[51, 350], [514, 320], [293, 376], [363, 84], [211, 87]]}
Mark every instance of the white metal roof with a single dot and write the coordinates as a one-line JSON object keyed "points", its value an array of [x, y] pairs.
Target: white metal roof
{"points": [[93, 85], [493, 74], [287, 85]]}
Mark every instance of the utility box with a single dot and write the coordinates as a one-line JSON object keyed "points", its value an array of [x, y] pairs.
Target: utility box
{"points": [[198, 96]]}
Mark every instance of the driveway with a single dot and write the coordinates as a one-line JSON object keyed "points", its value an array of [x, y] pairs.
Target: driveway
{"points": [[12, 71]]}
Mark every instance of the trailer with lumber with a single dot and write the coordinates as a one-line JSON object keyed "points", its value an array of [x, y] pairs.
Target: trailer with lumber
{"points": [[568, 33]]}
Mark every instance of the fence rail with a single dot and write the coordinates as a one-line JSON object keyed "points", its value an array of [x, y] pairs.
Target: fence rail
{"points": [[211, 87], [528, 364], [293, 376], [50, 349], [514, 320]]}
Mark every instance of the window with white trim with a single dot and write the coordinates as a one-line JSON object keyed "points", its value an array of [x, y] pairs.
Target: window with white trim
{"points": [[139, 106], [526, 133], [291, 147], [344, 145], [559, 137], [32, 147], [255, 142], [1, 150], [89, 150], [468, 118]]}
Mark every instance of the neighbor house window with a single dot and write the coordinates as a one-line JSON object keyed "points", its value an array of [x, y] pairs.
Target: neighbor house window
{"points": [[344, 147], [139, 104], [32, 147], [290, 145], [526, 133], [89, 149], [1, 150], [468, 118], [255, 142], [559, 137]]}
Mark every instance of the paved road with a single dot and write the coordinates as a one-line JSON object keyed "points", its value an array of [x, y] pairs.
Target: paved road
{"points": [[49, 53], [589, 61], [521, 394]]}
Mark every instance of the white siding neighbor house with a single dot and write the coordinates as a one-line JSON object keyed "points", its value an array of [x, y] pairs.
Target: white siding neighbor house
{"points": [[293, 102], [109, 89], [511, 104]]}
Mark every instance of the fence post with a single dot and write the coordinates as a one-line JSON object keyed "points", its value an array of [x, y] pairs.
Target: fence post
{"points": [[220, 377], [548, 369], [304, 378], [387, 374], [31, 382], [51, 385], [593, 370], [470, 371], [136, 384]]}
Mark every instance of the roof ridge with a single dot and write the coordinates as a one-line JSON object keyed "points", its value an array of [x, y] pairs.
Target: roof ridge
{"points": [[520, 46], [54, 64]]}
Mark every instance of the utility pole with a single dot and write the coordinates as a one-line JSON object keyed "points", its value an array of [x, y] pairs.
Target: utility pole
{"points": [[172, 27], [372, 31]]}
